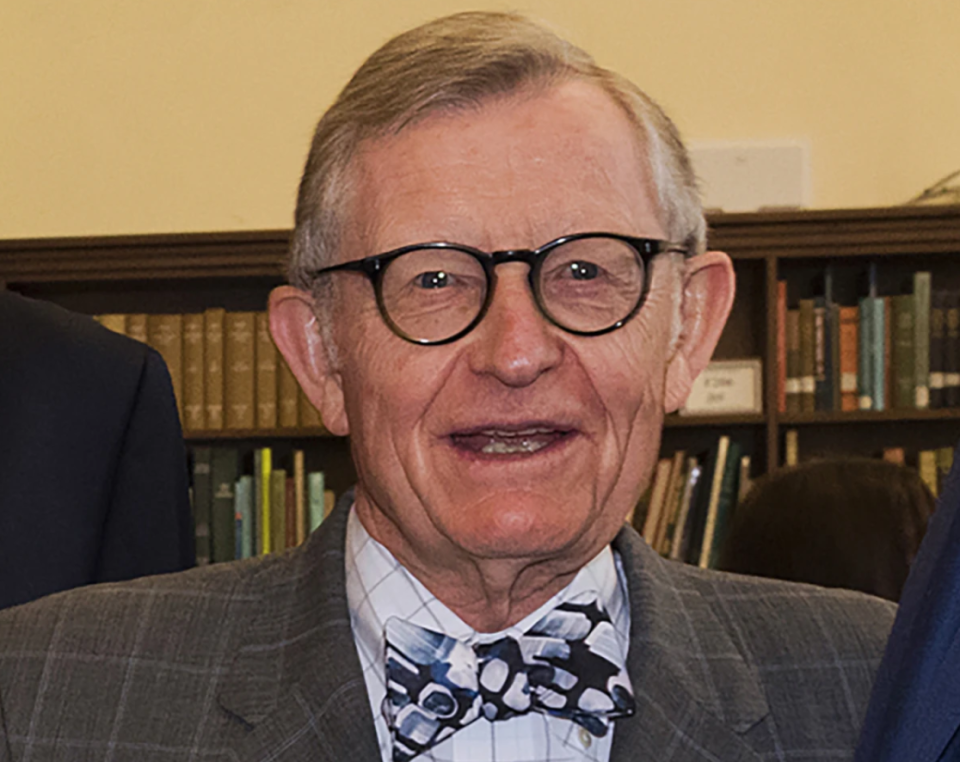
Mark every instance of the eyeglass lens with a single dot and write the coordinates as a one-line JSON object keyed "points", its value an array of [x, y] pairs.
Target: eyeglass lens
{"points": [[583, 285]]}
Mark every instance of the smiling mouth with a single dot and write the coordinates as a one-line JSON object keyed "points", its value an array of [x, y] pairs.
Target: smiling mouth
{"points": [[508, 441]]}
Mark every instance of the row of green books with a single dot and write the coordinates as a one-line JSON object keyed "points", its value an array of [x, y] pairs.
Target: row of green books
{"points": [[686, 511], [887, 351], [239, 515]]}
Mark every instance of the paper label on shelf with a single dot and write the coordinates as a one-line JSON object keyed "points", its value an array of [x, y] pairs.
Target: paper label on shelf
{"points": [[727, 386]]}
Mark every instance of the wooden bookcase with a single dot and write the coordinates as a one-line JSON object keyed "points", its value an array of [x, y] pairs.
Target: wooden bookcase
{"points": [[189, 272]]}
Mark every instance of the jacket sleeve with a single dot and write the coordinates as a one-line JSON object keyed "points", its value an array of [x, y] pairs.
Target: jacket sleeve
{"points": [[148, 528]]}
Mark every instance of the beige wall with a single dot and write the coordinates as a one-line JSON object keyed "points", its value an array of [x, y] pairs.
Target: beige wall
{"points": [[134, 116]]}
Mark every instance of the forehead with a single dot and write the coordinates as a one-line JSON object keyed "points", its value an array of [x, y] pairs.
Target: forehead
{"points": [[513, 172]]}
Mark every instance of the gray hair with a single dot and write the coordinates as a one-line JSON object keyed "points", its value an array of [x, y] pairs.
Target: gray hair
{"points": [[458, 62]]}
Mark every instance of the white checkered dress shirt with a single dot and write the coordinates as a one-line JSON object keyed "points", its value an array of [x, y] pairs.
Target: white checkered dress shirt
{"points": [[378, 587]]}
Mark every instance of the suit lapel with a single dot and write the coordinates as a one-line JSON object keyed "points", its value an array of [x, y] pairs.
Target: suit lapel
{"points": [[695, 693], [295, 685]]}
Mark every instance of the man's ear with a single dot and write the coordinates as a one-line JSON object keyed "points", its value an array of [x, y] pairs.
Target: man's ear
{"points": [[708, 291], [293, 324]]}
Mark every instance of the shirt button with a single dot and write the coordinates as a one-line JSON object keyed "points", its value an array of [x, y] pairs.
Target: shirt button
{"points": [[585, 738]]}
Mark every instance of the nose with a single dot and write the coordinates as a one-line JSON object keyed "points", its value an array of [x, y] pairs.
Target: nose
{"points": [[514, 342]]}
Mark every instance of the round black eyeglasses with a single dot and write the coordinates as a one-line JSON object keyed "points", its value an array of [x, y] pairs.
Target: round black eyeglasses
{"points": [[434, 293]]}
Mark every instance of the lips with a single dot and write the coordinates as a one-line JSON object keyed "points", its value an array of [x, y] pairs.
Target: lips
{"points": [[511, 439]]}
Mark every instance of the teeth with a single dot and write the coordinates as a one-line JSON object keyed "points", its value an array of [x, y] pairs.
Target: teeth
{"points": [[508, 434], [498, 447]]}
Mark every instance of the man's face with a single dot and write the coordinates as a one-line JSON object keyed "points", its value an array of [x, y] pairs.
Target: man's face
{"points": [[438, 431]]}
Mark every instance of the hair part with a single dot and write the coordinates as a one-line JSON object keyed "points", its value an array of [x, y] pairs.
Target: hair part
{"points": [[457, 62]]}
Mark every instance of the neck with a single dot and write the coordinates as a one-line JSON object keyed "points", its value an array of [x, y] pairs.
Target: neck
{"points": [[489, 594]]}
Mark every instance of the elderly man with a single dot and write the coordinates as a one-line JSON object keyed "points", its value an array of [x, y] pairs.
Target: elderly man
{"points": [[500, 287]]}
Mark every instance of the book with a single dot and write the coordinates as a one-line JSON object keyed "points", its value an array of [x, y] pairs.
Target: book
{"points": [[239, 375], [726, 504], [822, 356], [793, 380], [701, 502], [315, 499], [744, 481], [202, 500], [713, 504], [661, 478], [951, 350], [944, 464], [213, 371], [808, 360], [290, 519], [681, 539], [288, 396], [329, 502], [278, 512], [921, 339], [888, 383], [194, 407], [262, 469], [266, 384], [781, 346], [309, 415], [223, 524], [671, 503], [791, 447], [895, 455], [865, 363], [299, 497], [116, 322], [137, 327], [927, 467], [903, 351], [245, 506], [848, 340], [165, 334], [833, 366], [938, 302]]}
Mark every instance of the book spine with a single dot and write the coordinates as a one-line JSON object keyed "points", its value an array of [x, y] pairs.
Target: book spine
{"points": [[885, 386], [921, 339], [288, 396], [709, 531], [213, 372], [681, 540], [848, 341], [309, 416], [937, 346], [245, 513], [726, 503], [951, 350], [793, 385], [224, 468], [266, 386], [315, 491], [290, 520], [194, 411], [903, 352], [781, 346], [278, 513], [263, 520], [202, 497], [671, 501], [807, 357], [791, 447], [239, 370], [137, 327], [833, 323], [652, 519], [116, 322], [865, 355], [879, 352], [299, 497], [823, 393], [165, 334], [927, 466], [944, 464]]}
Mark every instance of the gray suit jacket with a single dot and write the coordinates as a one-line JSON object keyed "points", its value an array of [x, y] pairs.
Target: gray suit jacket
{"points": [[256, 661]]}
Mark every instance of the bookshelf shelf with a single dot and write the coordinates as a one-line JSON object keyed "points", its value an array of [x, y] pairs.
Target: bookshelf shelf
{"points": [[189, 272]]}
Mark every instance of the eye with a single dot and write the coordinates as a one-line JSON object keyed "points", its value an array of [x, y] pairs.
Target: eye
{"points": [[433, 279], [583, 270]]}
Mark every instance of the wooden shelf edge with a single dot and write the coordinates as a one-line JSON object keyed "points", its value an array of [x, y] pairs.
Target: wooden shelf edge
{"points": [[739, 419], [280, 433], [868, 416]]}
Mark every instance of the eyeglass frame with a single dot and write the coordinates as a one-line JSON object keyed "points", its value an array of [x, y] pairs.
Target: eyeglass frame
{"points": [[376, 265]]}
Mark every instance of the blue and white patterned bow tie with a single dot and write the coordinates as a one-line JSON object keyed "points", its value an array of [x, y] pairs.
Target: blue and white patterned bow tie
{"points": [[569, 664]]}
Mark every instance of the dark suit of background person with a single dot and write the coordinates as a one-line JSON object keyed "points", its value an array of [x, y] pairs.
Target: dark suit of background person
{"points": [[914, 712], [93, 478]]}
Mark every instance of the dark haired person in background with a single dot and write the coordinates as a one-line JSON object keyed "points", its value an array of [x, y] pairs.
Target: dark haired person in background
{"points": [[854, 523], [93, 476]]}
